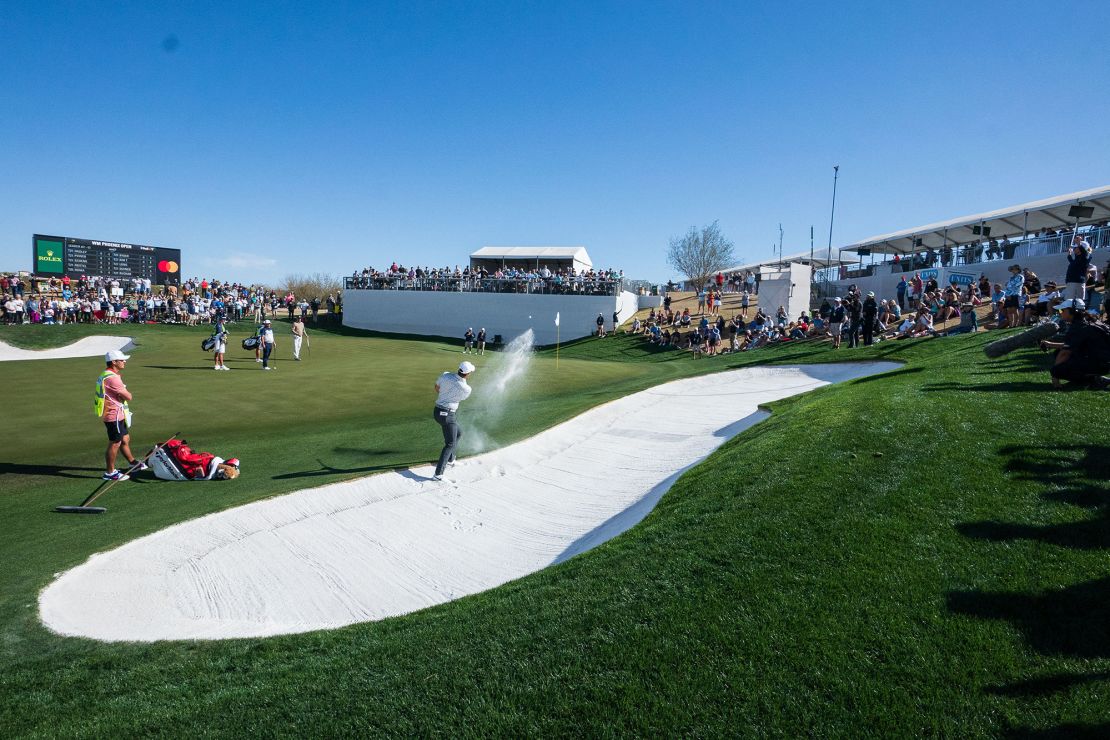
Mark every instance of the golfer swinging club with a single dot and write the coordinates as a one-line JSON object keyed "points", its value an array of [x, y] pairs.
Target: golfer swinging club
{"points": [[452, 389]]}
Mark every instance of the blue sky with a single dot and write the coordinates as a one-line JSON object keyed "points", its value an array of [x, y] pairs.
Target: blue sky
{"points": [[271, 138]]}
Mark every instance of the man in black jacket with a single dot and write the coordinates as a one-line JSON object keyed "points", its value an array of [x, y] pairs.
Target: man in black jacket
{"points": [[855, 314], [870, 314], [1079, 261]]}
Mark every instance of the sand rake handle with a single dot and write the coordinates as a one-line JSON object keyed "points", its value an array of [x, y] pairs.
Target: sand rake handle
{"points": [[104, 488]]}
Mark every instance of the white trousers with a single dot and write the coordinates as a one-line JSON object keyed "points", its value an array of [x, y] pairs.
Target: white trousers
{"points": [[297, 347]]}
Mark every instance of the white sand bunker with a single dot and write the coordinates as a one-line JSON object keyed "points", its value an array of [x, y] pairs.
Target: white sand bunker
{"points": [[86, 347], [393, 543]]}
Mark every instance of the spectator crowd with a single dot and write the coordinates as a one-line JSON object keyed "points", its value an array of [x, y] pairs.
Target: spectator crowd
{"points": [[541, 279], [92, 299]]}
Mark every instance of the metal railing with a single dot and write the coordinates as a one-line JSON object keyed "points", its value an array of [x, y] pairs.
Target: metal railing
{"points": [[980, 252], [530, 286]]}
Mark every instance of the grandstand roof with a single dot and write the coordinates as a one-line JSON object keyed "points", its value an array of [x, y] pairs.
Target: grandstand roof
{"points": [[821, 259], [577, 255], [1010, 221]]}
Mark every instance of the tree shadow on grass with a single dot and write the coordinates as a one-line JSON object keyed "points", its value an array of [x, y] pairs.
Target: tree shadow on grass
{"points": [[1071, 730], [1073, 621], [1075, 475], [1070, 621], [60, 471]]}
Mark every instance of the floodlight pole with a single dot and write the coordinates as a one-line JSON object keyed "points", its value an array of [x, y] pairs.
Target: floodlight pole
{"points": [[832, 216], [780, 242]]}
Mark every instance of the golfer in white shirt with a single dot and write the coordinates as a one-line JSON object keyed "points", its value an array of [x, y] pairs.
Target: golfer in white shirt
{"points": [[452, 389]]}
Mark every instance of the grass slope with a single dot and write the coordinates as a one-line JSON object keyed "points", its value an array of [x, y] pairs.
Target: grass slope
{"points": [[795, 583]]}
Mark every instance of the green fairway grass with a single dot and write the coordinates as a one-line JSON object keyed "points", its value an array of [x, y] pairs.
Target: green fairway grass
{"points": [[925, 551]]}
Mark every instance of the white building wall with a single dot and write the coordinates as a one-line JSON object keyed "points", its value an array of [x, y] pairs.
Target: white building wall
{"points": [[448, 314], [788, 287]]}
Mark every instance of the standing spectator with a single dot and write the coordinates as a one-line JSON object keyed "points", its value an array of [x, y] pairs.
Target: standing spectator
{"points": [[267, 342], [1079, 259], [1012, 294], [468, 341], [917, 287], [482, 341], [701, 302], [616, 320], [870, 313], [901, 290], [600, 325], [855, 317], [299, 335], [745, 301], [836, 321]]}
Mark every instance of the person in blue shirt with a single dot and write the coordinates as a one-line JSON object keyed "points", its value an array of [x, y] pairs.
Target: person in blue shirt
{"points": [[260, 333], [1012, 294]]}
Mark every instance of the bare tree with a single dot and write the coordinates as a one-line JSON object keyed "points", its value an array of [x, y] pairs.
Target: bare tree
{"points": [[700, 254]]}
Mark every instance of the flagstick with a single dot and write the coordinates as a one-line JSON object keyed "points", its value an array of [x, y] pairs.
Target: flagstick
{"points": [[556, 346]]}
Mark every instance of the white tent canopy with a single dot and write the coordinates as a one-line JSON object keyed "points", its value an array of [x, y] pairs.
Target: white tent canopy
{"points": [[575, 257], [1027, 218]]}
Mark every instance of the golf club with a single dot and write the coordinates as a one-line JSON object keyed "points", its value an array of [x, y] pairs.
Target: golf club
{"points": [[105, 486]]}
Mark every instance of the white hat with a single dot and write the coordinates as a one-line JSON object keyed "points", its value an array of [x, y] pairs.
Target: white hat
{"points": [[466, 368], [115, 355], [267, 321], [1075, 304]]}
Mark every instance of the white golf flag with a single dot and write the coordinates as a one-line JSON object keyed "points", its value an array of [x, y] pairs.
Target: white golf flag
{"points": [[556, 318]]}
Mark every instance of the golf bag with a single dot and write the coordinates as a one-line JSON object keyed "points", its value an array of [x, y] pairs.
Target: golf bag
{"points": [[176, 461], [208, 344], [251, 343]]}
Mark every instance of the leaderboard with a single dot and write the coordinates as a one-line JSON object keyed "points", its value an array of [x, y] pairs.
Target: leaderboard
{"points": [[55, 256]]}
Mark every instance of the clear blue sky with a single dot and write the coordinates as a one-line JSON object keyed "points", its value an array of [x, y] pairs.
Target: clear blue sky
{"points": [[269, 138]]}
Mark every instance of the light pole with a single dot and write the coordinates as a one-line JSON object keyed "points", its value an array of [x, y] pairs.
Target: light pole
{"points": [[832, 216]]}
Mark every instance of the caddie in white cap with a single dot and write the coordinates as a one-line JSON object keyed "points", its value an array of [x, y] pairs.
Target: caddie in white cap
{"points": [[453, 390], [111, 405]]}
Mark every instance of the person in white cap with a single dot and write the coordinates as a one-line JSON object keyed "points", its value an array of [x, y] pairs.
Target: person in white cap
{"points": [[267, 343], [1084, 355], [453, 390], [110, 404]]}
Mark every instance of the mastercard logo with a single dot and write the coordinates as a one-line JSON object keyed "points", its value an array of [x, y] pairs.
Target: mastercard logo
{"points": [[167, 266]]}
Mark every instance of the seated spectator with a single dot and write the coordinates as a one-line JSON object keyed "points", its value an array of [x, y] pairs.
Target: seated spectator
{"points": [[1043, 306], [969, 322]]}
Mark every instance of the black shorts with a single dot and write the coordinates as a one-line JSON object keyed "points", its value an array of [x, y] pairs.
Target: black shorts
{"points": [[1010, 302], [117, 430]]}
